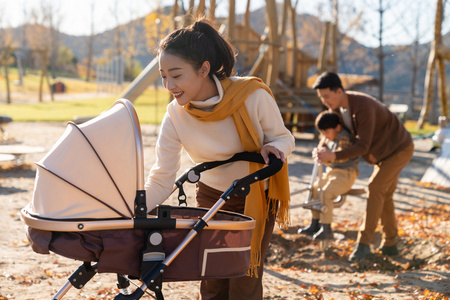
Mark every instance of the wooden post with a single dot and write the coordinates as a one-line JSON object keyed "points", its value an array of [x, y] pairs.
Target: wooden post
{"points": [[334, 39], [231, 19], [212, 10], [189, 18], [295, 67], [272, 69], [283, 40], [322, 61], [442, 85], [201, 9], [429, 77], [174, 13]]}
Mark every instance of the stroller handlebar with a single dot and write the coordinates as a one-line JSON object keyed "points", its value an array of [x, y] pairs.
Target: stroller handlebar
{"points": [[242, 156], [241, 187], [192, 175]]}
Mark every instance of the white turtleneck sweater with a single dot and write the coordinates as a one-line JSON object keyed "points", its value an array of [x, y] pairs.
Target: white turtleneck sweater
{"points": [[211, 141]]}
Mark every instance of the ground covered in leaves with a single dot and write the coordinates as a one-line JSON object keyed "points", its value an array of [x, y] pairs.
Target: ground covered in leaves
{"points": [[424, 250], [296, 266]]}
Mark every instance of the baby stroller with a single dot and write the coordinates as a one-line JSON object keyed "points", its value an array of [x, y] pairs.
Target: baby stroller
{"points": [[89, 204]]}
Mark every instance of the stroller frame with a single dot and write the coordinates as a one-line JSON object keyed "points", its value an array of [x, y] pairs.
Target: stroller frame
{"points": [[153, 260]]}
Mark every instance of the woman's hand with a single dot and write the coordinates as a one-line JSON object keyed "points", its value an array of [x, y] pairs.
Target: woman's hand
{"points": [[267, 149]]}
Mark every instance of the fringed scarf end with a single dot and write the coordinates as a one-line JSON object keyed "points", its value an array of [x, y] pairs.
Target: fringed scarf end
{"points": [[282, 210], [254, 264]]}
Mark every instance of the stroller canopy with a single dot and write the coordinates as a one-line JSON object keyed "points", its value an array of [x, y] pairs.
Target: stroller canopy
{"points": [[94, 169]]}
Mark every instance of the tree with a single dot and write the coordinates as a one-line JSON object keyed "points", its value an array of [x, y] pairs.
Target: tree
{"points": [[38, 40], [156, 27], [65, 60], [6, 59], [52, 20], [91, 44]]}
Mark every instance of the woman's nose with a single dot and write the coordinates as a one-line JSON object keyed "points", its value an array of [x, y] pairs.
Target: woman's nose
{"points": [[170, 84]]}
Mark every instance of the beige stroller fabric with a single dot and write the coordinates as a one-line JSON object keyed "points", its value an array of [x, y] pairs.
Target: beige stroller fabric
{"points": [[92, 176], [86, 174]]}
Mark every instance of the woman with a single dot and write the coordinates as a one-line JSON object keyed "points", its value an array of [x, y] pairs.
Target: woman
{"points": [[213, 117]]}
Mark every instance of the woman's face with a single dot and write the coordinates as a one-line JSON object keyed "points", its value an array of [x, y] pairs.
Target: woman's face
{"points": [[181, 79]]}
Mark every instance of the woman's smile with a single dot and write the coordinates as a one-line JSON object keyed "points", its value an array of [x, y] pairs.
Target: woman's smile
{"points": [[178, 95]]}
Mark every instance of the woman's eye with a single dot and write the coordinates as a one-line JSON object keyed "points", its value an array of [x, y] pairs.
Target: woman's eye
{"points": [[176, 76]]}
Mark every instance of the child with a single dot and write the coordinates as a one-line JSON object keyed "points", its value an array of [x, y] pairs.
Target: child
{"points": [[213, 117], [338, 177]]}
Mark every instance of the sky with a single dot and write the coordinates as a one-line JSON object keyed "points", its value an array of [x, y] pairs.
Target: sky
{"points": [[399, 17]]}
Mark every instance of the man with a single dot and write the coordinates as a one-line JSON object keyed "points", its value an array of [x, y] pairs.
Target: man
{"points": [[382, 140]]}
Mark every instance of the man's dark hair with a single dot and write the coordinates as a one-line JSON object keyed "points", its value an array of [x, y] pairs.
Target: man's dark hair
{"points": [[328, 80], [326, 120]]}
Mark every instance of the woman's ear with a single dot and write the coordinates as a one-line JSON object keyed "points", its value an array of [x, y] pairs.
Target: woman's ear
{"points": [[205, 68]]}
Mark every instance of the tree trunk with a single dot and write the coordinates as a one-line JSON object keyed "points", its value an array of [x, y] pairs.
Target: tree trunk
{"points": [[90, 46], [8, 90], [41, 82]]}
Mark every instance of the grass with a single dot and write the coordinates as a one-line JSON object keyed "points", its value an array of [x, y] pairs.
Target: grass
{"points": [[411, 126], [32, 79], [150, 106]]}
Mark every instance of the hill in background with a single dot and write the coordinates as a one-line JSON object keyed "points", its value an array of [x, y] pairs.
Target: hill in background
{"points": [[354, 58]]}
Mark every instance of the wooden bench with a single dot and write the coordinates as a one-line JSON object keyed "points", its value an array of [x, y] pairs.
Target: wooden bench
{"points": [[7, 157], [18, 151]]}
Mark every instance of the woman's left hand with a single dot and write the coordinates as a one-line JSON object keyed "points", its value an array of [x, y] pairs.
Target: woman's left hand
{"points": [[267, 149]]}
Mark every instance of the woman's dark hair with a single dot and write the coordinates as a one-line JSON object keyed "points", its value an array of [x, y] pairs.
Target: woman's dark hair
{"points": [[198, 43], [327, 119]]}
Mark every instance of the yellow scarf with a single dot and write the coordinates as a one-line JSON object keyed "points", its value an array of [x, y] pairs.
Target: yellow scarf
{"points": [[233, 103]]}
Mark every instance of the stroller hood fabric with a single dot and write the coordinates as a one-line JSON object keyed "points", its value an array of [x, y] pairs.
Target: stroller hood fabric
{"points": [[91, 172]]}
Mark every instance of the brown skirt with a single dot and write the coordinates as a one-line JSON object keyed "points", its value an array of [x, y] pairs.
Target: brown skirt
{"points": [[207, 196]]}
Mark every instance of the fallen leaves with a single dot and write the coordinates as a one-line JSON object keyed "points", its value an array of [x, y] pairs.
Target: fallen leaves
{"points": [[424, 244]]}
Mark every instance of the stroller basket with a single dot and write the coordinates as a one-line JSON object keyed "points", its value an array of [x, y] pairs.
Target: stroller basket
{"points": [[89, 205], [227, 238]]}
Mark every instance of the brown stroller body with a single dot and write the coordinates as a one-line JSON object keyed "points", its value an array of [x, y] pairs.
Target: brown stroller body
{"points": [[89, 204]]}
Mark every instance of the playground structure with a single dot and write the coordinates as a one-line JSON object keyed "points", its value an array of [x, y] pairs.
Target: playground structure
{"points": [[438, 54], [437, 174], [274, 57], [318, 204]]}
